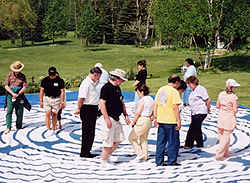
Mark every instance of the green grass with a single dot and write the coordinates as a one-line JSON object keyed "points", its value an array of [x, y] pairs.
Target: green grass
{"points": [[71, 59]]}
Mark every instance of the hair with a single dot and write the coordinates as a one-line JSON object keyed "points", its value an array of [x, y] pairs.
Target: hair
{"points": [[192, 79], [173, 78], [113, 77], [142, 62], [183, 86], [190, 61], [96, 70], [229, 90], [142, 87]]}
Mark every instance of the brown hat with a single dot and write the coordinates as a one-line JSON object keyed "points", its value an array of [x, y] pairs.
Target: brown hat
{"points": [[16, 66]]}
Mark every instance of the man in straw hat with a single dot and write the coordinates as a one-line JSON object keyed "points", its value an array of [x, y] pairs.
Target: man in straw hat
{"points": [[112, 105], [52, 87], [15, 84]]}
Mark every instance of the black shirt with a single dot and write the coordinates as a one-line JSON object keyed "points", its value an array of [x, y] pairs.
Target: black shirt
{"points": [[113, 97], [141, 76], [52, 87]]}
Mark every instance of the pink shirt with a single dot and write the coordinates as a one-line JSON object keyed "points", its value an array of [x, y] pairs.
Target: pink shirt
{"points": [[226, 118]]}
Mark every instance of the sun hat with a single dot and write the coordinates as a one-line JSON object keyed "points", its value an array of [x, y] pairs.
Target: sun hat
{"points": [[119, 73], [52, 71], [17, 66], [98, 65], [232, 82]]}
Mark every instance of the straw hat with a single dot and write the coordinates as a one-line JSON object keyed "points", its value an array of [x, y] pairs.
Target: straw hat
{"points": [[119, 73], [98, 65], [16, 66]]}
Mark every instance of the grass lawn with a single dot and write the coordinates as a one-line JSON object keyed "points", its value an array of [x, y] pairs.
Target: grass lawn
{"points": [[71, 59]]}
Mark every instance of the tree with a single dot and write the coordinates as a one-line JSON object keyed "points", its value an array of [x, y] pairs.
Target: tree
{"points": [[87, 27], [17, 17], [55, 22]]}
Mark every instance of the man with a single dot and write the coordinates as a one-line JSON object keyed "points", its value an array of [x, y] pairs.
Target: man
{"points": [[112, 105], [88, 101], [52, 87], [15, 84], [167, 118], [103, 79]]}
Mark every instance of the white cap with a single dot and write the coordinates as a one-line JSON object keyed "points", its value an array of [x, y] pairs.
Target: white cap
{"points": [[98, 65], [232, 82]]}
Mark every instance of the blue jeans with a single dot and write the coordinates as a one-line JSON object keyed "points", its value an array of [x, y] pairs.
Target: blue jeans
{"points": [[136, 100], [167, 133], [185, 96]]}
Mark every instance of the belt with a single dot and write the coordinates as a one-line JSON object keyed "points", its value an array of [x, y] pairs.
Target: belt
{"points": [[52, 96]]}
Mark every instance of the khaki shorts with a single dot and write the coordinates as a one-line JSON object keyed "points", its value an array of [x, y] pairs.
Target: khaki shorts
{"points": [[51, 104], [114, 134]]}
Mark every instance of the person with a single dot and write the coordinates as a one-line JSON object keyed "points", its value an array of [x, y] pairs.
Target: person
{"points": [[59, 118], [111, 106], [191, 71], [142, 122], [228, 104], [180, 89], [167, 118], [141, 77], [15, 85], [87, 107], [52, 87], [199, 103], [103, 79]]}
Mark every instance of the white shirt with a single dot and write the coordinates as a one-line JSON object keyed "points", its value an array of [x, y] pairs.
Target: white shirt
{"points": [[191, 71], [148, 106], [88, 91]]}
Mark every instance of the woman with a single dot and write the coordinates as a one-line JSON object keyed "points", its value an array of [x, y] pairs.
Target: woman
{"points": [[199, 103], [140, 78], [228, 104], [191, 71], [142, 123]]}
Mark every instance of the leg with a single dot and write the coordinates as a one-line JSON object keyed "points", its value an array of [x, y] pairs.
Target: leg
{"points": [[144, 145], [173, 145], [199, 138], [47, 119], [136, 100], [10, 107], [59, 118], [19, 111], [162, 138], [133, 141], [190, 134], [105, 153], [54, 120]]}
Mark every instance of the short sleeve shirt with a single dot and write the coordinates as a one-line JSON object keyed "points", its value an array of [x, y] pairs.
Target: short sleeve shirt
{"points": [[226, 117], [52, 87], [141, 76], [166, 97], [197, 100], [15, 81], [88, 91], [113, 97]]}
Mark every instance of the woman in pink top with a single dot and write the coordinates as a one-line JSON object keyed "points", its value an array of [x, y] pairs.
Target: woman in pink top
{"points": [[228, 104]]}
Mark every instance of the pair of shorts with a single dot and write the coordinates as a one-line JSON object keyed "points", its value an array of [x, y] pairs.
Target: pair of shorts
{"points": [[51, 104], [114, 134]]}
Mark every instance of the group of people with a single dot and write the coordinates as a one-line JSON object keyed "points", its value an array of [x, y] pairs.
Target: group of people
{"points": [[100, 96]]}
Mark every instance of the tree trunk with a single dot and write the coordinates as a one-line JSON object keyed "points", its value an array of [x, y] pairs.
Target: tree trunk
{"points": [[160, 41], [148, 20], [152, 34], [196, 47], [87, 44], [75, 15], [21, 36], [103, 39], [190, 44], [207, 58]]}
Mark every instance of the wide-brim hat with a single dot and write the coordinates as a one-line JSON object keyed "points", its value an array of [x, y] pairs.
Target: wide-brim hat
{"points": [[17, 66], [119, 73], [232, 82]]}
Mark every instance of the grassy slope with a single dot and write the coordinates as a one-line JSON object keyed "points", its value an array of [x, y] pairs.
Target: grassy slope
{"points": [[71, 59]]}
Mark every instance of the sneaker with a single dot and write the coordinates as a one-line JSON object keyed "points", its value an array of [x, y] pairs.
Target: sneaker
{"points": [[109, 160], [105, 164], [138, 158], [49, 133]]}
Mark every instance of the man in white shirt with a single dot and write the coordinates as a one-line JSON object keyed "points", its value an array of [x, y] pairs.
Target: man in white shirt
{"points": [[88, 101]]}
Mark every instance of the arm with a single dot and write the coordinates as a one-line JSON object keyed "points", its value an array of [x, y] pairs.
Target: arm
{"points": [[105, 113], [22, 90], [177, 115], [155, 115], [41, 96], [79, 105], [235, 106], [136, 83], [208, 103], [138, 112], [127, 120], [62, 98], [14, 95], [218, 104]]}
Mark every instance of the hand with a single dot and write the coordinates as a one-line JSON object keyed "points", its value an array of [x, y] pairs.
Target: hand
{"points": [[108, 122], [77, 111], [156, 123], [14, 95], [41, 104], [178, 127], [61, 106], [209, 111], [127, 120], [133, 124]]}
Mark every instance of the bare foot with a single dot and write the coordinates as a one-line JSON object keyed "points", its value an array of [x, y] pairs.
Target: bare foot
{"points": [[7, 131], [60, 126]]}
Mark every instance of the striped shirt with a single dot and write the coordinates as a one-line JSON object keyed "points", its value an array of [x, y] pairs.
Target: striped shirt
{"points": [[14, 81]]}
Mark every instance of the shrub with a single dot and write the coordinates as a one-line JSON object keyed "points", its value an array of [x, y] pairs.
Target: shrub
{"points": [[130, 74], [2, 89]]}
